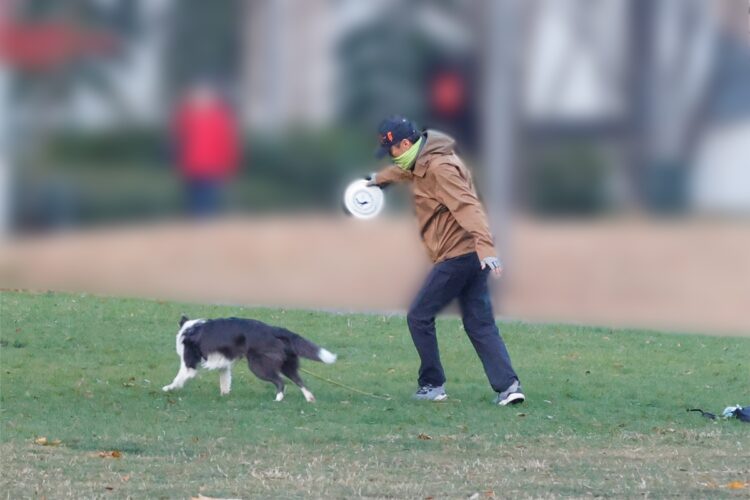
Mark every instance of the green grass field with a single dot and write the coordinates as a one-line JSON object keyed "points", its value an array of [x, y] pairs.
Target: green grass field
{"points": [[606, 414]]}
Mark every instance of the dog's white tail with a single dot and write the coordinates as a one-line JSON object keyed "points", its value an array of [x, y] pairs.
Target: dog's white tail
{"points": [[304, 348], [326, 356]]}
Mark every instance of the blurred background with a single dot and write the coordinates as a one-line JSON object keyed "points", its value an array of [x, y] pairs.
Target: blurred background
{"points": [[198, 150]]}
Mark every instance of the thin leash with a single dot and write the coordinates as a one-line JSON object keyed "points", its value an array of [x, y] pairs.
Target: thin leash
{"points": [[352, 389]]}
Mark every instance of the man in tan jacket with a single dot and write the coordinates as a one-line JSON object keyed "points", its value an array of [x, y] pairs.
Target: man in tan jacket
{"points": [[454, 229]]}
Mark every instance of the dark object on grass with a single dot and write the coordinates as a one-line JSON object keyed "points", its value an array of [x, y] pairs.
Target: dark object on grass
{"points": [[736, 411], [704, 413]]}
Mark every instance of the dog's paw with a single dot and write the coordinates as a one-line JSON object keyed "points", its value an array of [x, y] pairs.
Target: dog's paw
{"points": [[308, 395], [224, 393], [279, 397], [167, 388]]}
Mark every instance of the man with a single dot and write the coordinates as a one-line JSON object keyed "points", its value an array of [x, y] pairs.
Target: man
{"points": [[208, 147], [454, 229]]}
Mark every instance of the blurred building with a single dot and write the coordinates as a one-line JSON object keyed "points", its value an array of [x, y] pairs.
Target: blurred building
{"points": [[576, 62], [120, 86], [288, 63], [721, 178], [306, 63], [131, 89]]}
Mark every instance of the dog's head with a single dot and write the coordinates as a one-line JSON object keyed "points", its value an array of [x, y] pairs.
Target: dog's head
{"points": [[183, 319]]}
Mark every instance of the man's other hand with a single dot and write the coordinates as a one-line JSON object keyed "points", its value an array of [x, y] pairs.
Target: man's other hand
{"points": [[494, 264]]}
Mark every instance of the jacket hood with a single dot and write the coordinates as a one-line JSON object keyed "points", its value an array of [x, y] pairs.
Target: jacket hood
{"points": [[436, 143]]}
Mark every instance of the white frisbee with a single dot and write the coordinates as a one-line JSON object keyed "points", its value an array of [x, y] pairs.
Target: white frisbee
{"points": [[363, 201]]}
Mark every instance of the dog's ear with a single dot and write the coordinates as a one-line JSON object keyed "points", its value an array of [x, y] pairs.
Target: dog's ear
{"points": [[183, 319]]}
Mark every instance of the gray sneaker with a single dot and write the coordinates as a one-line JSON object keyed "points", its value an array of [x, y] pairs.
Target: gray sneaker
{"points": [[510, 396], [430, 393]]}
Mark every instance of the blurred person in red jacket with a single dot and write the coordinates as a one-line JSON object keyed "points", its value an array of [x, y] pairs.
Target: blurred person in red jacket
{"points": [[207, 145]]}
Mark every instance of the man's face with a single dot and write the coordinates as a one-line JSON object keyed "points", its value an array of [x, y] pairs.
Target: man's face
{"points": [[400, 148]]}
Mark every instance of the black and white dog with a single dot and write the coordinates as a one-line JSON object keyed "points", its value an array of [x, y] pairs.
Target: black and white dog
{"points": [[270, 351]]}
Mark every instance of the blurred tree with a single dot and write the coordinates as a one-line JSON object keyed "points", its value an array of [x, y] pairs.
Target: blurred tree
{"points": [[390, 63], [567, 179], [204, 42]]}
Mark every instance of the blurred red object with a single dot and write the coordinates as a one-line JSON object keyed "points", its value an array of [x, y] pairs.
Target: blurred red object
{"points": [[207, 136], [448, 93], [46, 46]]}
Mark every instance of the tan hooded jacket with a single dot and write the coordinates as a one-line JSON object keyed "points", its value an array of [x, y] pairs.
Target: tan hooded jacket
{"points": [[450, 216]]}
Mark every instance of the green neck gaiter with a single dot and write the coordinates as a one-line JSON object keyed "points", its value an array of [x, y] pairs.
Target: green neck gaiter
{"points": [[406, 160]]}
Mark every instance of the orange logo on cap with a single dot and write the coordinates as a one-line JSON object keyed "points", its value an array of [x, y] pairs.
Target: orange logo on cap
{"points": [[387, 138]]}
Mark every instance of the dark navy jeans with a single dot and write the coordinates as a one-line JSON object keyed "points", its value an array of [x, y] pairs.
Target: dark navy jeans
{"points": [[205, 197], [463, 278]]}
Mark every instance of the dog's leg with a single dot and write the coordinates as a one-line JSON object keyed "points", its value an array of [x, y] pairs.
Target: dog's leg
{"points": [[225, 380], [182, 376], [267, 369], [289, 368]]}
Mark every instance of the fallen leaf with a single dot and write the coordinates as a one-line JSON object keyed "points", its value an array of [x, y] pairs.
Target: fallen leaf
{"points": [[424, 436], [43, 441], [110, 454], [110, 488], [737, 485], [520, 414]]}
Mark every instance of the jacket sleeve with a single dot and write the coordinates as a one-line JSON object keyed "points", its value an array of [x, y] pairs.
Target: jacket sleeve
{"points": [[455, 192], [389, 175]]}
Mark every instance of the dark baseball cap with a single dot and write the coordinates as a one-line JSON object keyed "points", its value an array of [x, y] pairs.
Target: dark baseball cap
{"points": [[393, 130]]}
